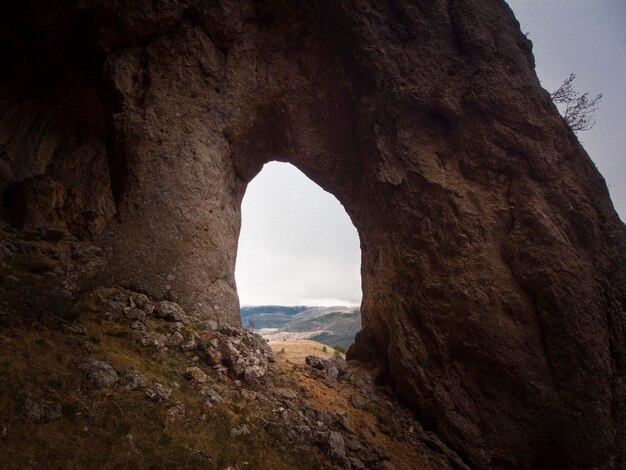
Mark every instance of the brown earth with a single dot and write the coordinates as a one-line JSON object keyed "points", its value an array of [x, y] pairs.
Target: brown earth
{"points": [[493, 263]]}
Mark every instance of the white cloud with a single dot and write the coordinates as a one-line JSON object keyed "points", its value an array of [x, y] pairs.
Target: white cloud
{"points": [[297, 244]]}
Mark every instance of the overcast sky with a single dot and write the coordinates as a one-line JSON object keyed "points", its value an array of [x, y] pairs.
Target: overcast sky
{"points": [[587, 38], [297, 244]]}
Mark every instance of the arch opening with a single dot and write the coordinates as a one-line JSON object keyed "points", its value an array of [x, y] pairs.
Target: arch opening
{"points": [[298, 261]]}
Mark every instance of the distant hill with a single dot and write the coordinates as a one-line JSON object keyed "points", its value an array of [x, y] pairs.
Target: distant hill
{"points": [[333, 326], [268, 316]]}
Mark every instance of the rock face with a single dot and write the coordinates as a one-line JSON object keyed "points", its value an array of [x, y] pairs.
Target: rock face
{"points": [[493, 263]]}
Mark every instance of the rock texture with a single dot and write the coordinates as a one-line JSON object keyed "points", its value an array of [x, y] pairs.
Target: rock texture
{"points": [[493, 263]]}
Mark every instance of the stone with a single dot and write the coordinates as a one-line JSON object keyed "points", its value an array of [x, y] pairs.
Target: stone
{"points": [[385, 465], [171, 311], [316, 362], [337, 449], [174, 413], [493, 261], [327, 366], [195, 374], [357, 401], [172, 340], [244, 354], [332, 372], [42, 411], [212, 397], [177, 326], [75, 328], [142, 302], [209, 325], [287, 393], [99, 374], [151, 339], [158, 393], [340, 364], [357, 464], [190, 345], [138, 325], [345, 425], [113, 306], [133, 380], [240, 431], [135, 314]]}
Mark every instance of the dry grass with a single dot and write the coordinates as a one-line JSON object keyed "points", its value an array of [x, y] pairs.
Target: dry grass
{"points": [[121, 429], [296, 351]]}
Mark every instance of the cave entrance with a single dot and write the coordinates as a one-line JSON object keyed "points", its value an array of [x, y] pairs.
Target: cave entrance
{"points": [[298, 261]]}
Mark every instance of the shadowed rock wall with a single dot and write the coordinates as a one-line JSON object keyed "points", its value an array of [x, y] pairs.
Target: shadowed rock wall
{"points": [[493, 263]]}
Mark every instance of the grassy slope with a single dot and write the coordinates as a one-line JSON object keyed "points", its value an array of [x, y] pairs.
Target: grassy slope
{"points": [[121, 429], [296, 351]]}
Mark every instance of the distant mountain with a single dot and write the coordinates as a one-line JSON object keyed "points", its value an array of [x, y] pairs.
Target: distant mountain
{"points": [[333, 326], [268, 316]]}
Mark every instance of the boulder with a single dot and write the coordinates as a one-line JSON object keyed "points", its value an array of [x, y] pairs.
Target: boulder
{"points": [[133, 380], [244, 354], [195, 374], [98, 374], [171, 311], [42, 411], [158, 393]]}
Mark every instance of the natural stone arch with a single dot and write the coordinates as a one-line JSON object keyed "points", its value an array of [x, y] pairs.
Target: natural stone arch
{"points": [[493, 262]]}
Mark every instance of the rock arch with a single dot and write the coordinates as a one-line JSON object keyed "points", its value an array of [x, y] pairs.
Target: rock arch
{"points": [[493, 262]]}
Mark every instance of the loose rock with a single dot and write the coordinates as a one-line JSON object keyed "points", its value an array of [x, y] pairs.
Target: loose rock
{"points": [[133, 380], [159, 393], [42, 411], [171, 311], [195, 374], [99, 374]]}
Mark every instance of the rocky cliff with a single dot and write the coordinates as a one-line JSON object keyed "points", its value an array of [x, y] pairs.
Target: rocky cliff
{"points": [[493, 263]]}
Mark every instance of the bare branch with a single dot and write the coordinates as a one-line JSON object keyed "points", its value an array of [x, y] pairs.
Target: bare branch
{"points": [[579, 109]]}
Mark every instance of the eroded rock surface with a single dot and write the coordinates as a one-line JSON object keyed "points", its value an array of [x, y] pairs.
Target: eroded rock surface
{"points": [[493, 263]]}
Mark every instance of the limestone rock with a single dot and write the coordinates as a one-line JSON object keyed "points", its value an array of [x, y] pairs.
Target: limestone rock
{"points": [[171, 311], [98, 374], [174, 413], [337, 449], [159, 393], [195, 374], [212, 397], [133, 380], [42, 411], [332, 368], [493, 262], [244, 354], [173, 340]]}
